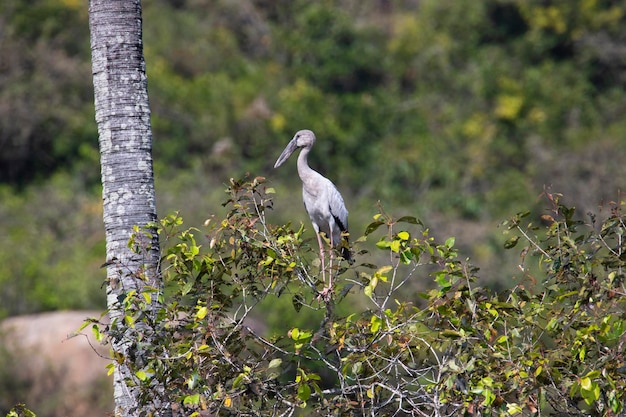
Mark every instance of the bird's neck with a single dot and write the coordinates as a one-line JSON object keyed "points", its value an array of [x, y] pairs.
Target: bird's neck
{"points": [[304, 170]]}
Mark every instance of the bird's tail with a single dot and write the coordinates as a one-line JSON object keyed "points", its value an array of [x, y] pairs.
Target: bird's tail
{"points": [[346, 254], [345, 248]]}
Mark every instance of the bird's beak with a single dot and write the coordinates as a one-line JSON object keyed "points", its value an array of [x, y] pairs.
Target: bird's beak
{"points": [[291, 146]]}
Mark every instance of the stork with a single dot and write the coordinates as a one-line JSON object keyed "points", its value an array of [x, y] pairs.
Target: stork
{"points": [[322, 200]]}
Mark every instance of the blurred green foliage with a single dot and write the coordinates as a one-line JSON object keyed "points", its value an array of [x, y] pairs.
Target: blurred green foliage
{"points": [[459, 111], [52, 248]]}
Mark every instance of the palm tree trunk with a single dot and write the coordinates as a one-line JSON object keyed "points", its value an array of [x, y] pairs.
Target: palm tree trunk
{"points": [[125, 136]]}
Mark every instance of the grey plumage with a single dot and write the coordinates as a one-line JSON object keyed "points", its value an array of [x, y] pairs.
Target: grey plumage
{"points": [[322, 200]]}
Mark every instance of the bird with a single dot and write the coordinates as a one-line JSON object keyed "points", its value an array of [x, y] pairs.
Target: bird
{"points": [[322, 201]]}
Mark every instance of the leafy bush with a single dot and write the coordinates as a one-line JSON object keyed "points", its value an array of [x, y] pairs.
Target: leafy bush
{"points": [[552, 344], [459, 109], [20, 410]]}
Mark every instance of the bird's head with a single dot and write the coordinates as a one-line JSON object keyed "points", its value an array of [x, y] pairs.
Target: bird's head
{"points": [[302, 139]]}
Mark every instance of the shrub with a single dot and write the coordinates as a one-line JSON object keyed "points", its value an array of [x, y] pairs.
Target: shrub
{"points": [[551, 344]]}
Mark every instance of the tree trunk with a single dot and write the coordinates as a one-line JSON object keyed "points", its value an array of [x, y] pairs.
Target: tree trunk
{"points": [[125, 136]]}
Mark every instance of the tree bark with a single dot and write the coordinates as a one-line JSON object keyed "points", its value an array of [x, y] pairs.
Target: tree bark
{"points": [[125, 137]]}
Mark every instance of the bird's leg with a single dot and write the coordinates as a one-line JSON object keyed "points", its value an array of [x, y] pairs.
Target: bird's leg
{"points": [[327, 290], [323, 266], [330, 264]]}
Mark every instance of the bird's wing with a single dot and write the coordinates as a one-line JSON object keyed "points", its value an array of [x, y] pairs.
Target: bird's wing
{"points": [[308, 210], [337, 207], [340, 214]]}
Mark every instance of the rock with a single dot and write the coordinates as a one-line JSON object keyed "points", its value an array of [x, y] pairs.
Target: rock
{"points": [[55, 376]]}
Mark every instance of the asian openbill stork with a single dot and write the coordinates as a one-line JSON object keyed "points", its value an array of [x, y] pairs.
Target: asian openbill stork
{"points": [[322, 200]]}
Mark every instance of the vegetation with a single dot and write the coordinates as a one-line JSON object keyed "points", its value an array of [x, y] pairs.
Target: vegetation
{"points": [[550, 345], [459, 111]]}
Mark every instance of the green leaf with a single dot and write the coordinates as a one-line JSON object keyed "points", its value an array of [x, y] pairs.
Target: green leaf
{"points": [[442, 279], [585, 383], [274, 363], [86, 323], [406, 256], [375, 324], [489, 397], [141, 375], [295, 333], [192, 399], [110, 369], [513, 408], [193, 251], [301, 336], [404, 235], [96, 332], [202, 312], [314, 377], [368, 291], [304, 392], [374, 282], [192, 381], [147, 297], [589, 390], [298, 301], [187, 287], [129, 320], [574, 389], [372, 227], [409, 219], [450, 242], [510, 243], [594, 374], [453, 334], [238, 380], [383, 244], [383, 269], [614, 402]]}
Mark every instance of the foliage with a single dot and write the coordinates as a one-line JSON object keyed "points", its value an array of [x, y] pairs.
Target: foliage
{"points": [[46, 111], [20, 410], [552, 344], [472, 86], [456, 110], [463, 110], [52, 240]]}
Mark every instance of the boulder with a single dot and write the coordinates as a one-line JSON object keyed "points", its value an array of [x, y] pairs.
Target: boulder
{"points": [[54, 374]]}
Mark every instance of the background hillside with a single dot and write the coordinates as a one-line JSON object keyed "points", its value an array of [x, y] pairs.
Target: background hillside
{"points": [[456, 112]]}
